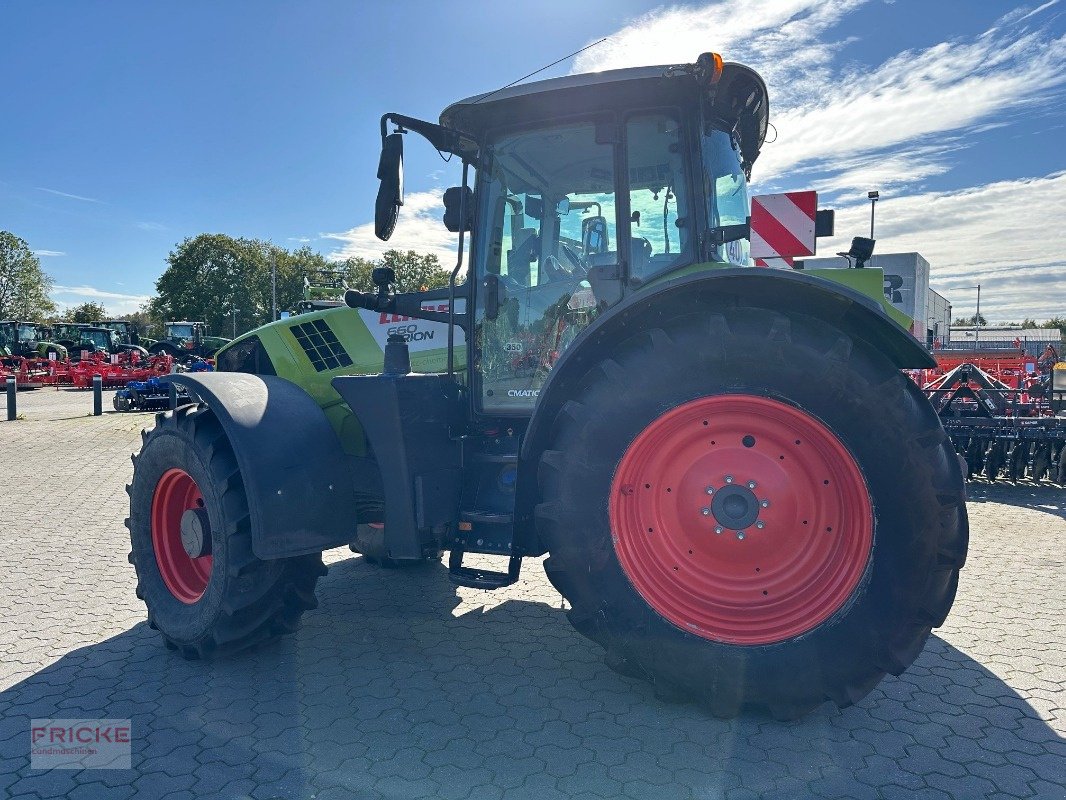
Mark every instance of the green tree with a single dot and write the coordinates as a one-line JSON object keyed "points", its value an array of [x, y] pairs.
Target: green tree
{"points": [[86, 312], [1056, 322], [24, 286], [208, 277], [961, 322], [414, 271]]}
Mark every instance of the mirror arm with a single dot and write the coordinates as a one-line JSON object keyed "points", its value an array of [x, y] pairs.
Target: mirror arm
{"points": [[441, 138]]}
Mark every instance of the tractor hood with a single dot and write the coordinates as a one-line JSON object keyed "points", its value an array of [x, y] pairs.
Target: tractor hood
{"points": [[738, 100]]}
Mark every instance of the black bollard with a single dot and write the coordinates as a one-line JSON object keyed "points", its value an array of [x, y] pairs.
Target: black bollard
{"points": [[98, 395], [12, 389]]}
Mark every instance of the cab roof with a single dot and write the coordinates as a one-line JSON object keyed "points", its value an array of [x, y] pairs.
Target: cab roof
{"points": [[740, 99]]}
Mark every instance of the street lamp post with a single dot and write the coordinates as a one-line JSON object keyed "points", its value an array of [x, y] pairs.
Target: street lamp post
{"points": [[235, 322], [873, 197], [977, 317]]}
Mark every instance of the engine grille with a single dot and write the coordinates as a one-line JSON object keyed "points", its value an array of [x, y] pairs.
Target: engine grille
{"points": [[320, 344]]}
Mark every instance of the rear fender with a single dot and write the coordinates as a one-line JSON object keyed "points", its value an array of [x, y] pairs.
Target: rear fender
{"points": [[295, 474], [855, 314]]}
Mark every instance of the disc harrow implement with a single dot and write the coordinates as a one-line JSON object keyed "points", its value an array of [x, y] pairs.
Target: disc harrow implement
{"points": [[1009, 427]]}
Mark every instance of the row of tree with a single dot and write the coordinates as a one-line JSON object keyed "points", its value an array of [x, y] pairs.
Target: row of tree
{"points": [[1025, 324], [221, 280]]}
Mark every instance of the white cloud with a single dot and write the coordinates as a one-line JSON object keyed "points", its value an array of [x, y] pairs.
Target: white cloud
{"points": [[839, 122], [115, 302], [152, 227], [420, 228], [69, 196], [911, 101], [299, 239], [1001, 235], [47, 253]]}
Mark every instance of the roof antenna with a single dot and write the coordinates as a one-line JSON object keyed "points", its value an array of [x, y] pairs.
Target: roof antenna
{"points": [[547, 66]]}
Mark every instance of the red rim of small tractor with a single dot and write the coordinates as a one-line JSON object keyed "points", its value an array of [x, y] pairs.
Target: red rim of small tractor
{"points": [[783, 574], [184, 576]]}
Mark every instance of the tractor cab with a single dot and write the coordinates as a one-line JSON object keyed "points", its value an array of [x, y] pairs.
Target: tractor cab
{"points": [[126, 330], [587, 188], [183, 334], [9, 337]]}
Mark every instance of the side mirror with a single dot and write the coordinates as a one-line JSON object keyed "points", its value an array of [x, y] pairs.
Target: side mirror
{"points": [[390, 190], [456, 198], [562, 208], [594, 235]]}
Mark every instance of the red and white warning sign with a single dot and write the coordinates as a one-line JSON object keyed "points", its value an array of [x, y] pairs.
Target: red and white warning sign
{"points": [[782, 227]]}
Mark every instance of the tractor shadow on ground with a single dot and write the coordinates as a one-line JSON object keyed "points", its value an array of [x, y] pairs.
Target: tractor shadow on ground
{"points": [[1046, 497], [399, 685]]}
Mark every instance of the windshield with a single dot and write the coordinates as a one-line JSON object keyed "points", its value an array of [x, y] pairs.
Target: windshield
{"points": [[101, 339], [548, 212], [179, 331], [726, 185], [27, 333]]}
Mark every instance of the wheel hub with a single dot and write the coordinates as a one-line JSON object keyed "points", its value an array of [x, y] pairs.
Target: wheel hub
{"points": [[735, 507], [196, 532], [741, 519]]}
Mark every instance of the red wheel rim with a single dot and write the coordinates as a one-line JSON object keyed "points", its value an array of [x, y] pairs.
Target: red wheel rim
{"points": [[700, 558], [184, 576]]}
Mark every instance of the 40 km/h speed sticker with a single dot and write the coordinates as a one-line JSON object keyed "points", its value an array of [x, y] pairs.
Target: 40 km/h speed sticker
{"points": [[420, 334]]}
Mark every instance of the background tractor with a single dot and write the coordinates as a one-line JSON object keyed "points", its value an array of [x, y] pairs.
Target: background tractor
{"points": [[79, 338], [128, 332], [28, 340], [187, 341], [740, 494]]}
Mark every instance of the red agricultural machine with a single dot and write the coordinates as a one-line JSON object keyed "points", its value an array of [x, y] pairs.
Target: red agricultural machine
{"points": [[1004, 412], [740, 494]]}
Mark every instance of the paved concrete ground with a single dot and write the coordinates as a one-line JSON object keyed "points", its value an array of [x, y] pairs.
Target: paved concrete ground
{"points": [[401, 685]]}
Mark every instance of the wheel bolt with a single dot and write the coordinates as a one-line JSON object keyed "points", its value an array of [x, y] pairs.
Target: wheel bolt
{"points": [[740, 534], [751, 484], [765, 504], [718, 529], [728, 478], [710, 490], [705, 511], [760, 524]]}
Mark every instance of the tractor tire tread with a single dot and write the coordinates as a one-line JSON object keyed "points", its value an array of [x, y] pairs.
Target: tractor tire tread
{"points": [[260, 599]]}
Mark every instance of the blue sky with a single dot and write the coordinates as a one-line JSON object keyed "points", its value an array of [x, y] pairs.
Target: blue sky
{"points": [[129, 126]]}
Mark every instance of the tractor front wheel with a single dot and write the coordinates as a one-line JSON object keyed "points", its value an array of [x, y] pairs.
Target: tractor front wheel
{"points": [[190, 529], [750, 509]]}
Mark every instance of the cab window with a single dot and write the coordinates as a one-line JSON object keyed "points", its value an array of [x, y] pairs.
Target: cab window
{"points": [[248, 356], [660, 227]]}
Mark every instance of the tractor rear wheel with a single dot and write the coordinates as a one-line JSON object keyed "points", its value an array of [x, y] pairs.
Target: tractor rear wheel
{"points": [[750, 509], [189, 524]]}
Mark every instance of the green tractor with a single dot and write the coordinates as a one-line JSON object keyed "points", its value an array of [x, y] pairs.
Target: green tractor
{"points": [[128, 332], [28, 340], [740, 494], [187, 341], [79, 338]]}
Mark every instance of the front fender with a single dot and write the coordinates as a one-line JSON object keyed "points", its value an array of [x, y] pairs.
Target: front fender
{"points": [[855, 314], [295, 474]]}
